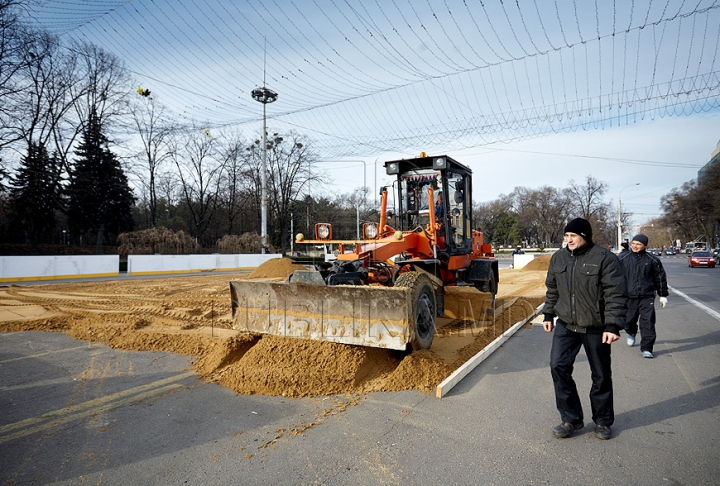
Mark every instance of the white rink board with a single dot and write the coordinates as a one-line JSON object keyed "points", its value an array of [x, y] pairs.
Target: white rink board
{"points": [[53, 267], [520, 261], [158, 264]]}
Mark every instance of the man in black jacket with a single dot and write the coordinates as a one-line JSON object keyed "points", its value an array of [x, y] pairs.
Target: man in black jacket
{"points": [[644, 277], [586, 292]]}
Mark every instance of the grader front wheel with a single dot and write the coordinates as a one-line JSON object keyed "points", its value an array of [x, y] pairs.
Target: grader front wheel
{"points": [[424, 307]]}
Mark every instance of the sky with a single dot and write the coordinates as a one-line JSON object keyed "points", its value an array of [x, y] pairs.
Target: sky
{"points": [[661, 155], [526, 93]]}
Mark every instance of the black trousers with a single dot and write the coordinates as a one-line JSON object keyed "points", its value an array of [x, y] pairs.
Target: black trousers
{"points": [[642, 311], [565, 347]]}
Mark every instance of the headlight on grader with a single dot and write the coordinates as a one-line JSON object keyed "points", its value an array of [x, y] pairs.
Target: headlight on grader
{"points": [[323, 231], [370, 231], [392, 168]]}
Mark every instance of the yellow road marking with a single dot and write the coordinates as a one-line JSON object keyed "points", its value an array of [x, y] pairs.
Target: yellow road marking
{"points": [[92, 411], [41, 354], [88, 408]]}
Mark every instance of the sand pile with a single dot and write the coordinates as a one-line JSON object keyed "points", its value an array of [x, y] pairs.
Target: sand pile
{"points": [[538, 263], [192, 316], [276, 268]]}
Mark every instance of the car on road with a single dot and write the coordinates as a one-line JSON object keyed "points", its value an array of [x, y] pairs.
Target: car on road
{"points": [[701, 259], [670, 251], [654, 251]]}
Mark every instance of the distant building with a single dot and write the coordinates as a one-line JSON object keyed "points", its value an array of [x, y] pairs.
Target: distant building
{"points": [[714, 159]]}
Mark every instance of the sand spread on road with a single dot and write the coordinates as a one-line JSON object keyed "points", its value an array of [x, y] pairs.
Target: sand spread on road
{"points": [[192, 316]]}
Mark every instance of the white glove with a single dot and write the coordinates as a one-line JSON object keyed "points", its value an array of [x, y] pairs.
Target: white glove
{"points": [[663, 301]]}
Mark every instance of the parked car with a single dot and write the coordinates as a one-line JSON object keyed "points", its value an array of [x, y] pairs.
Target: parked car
{"points": [[653, 251], [701, 259], [670, 251]]}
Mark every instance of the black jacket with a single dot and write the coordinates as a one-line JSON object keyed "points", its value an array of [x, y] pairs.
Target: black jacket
{"points": [[644, 275], [586, 290]]}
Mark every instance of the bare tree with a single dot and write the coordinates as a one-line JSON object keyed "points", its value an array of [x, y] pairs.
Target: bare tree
{"points": [[48, 76], [169, 198], [587, 201], [155, 130], [494, 219], [542, 214], [13, 38], [236, 191], [693, 209], [289, 164], [199, 171], [524, 205], [97, 88]]}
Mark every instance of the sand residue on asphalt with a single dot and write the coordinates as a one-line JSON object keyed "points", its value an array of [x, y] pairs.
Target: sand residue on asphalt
{"points": [[192, 316]]}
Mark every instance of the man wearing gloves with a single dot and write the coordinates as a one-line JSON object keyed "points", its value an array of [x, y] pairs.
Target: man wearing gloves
{"points": [[586, 293], [644, 277]]}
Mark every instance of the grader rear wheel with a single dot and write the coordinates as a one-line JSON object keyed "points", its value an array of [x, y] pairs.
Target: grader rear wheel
{"points": [[424, 307]]}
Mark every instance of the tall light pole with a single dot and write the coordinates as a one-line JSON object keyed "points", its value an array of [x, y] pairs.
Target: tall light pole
{"points": [[619, 221], [264, 96]]}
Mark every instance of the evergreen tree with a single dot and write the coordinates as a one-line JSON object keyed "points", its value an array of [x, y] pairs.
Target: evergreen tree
{"points": [[99, 198], [35, 195]]}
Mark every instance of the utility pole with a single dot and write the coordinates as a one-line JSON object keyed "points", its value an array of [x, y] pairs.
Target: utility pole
{"points": [[264, 96]]}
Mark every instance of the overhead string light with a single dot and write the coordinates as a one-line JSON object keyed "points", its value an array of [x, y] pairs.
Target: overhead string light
{"points": [[389, 76]]}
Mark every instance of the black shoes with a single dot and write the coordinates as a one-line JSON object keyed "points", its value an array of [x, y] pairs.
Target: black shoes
{"points": [[566, 429], [603, 432]]}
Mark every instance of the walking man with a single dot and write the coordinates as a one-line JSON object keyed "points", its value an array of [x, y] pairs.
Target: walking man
{"points": [[644, 277], [586, 293]]}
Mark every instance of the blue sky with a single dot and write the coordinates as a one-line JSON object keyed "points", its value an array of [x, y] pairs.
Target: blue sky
{"points": [[527, 94], [660, 154]]}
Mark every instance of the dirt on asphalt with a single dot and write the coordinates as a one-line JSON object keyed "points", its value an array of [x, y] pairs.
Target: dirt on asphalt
{"points": [[192, 316]]}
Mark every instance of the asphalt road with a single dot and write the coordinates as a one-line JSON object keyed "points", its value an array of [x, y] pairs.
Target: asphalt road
{"points": [[78, 413]]}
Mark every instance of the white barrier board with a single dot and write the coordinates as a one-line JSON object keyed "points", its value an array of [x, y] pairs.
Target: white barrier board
{"points": [[159, 264], [53, 267], [520, 261]]}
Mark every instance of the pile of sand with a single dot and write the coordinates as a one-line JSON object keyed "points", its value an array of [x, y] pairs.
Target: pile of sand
{"points": [[538, 263], [192, 316], [275, 268]]}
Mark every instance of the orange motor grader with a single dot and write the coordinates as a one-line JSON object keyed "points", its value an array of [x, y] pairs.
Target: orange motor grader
{"points": [[386, 289]]}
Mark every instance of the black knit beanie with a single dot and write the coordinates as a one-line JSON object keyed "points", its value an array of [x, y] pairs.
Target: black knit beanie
{"points": [[580, 227], [641, 238]]}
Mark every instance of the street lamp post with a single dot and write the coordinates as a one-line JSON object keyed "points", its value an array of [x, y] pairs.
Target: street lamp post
{"points": [[264, 96], [619, 219]]}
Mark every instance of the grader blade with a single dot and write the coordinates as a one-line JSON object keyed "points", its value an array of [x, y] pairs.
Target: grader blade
{"points": [[361, 315]]}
